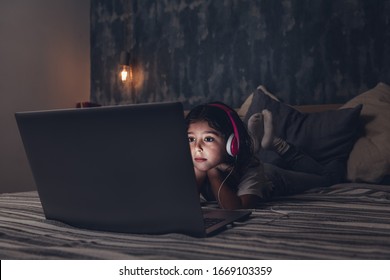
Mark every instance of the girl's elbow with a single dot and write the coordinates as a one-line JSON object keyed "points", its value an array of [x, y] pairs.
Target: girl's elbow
{"points": [[249, 201]]}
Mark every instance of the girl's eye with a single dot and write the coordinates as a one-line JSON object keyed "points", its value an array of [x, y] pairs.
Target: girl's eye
{"points": [[209, 139], [191, 139]]}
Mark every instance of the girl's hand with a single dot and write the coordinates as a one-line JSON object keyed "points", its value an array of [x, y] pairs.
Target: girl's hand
{"points": [[224, 167], [220, 171]]}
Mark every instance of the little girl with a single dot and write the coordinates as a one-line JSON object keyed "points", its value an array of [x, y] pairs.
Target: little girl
{"points": [[226, 168]]}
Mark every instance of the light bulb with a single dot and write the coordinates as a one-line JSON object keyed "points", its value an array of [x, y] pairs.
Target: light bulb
{"points": [[124, 73]]}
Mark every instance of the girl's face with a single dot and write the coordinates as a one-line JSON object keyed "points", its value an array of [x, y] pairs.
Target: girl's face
{"points": [[207, 146]]}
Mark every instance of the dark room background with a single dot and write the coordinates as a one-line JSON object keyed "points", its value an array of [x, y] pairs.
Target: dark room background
{"points": [[304, 51]]}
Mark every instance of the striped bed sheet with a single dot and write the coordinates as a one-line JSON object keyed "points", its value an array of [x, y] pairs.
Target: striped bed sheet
{"points": [[345, 221]]}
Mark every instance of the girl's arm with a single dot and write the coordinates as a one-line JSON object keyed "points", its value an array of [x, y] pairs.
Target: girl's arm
{"points": [[226, 197]]}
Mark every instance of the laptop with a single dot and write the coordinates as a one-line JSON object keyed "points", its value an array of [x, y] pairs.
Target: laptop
{"points": [[124, 168]]}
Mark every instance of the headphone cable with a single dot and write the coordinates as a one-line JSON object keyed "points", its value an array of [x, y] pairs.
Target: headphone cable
{"points": [[223, 182]]}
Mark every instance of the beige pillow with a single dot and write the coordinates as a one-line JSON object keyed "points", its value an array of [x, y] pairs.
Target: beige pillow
{"points": [[369, 160], [245, 106]]}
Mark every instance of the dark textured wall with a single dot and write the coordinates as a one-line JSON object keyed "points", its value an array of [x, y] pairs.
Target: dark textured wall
{"points": [[304, 51]]}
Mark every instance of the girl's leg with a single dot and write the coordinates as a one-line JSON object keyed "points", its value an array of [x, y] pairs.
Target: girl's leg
{"points": [[301, 168], [289, 182]]}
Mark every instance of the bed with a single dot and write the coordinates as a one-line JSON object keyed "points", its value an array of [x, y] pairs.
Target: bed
{"points": [[349, 220], [345, 221]]}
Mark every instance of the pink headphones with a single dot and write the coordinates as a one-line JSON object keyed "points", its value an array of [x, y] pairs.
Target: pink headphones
{"points": [[233, 142]]}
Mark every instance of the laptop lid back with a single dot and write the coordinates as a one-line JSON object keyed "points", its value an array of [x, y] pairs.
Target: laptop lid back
{"points": [[117, 168]]}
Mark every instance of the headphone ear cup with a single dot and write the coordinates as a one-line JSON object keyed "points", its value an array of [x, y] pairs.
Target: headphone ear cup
{"points": [[232, 145]]}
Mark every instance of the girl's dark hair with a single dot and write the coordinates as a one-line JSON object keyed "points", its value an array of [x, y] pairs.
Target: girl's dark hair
{"points": [[219, 120]]}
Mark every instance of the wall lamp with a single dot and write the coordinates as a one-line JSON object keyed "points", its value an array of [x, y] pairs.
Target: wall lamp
{"points": [[126, 71]]}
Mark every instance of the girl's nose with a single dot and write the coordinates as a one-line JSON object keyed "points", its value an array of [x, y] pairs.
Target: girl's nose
{"points": [[198, 147]]}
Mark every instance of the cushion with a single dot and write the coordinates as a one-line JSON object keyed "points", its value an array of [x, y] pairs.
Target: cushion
{"points": [[242, 111], [245, 106], [369, 160], [325, 136]]}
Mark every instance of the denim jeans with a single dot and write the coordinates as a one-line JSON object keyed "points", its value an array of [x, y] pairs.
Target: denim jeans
{"points": [[301, 172]]}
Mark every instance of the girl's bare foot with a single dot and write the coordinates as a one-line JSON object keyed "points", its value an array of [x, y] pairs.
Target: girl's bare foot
{"points": [[270, 141], [256, 130], [260, 126], [268, 137]]}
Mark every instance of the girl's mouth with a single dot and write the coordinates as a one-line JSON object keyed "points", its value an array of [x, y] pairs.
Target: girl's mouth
{"points": [[200, 159]]}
